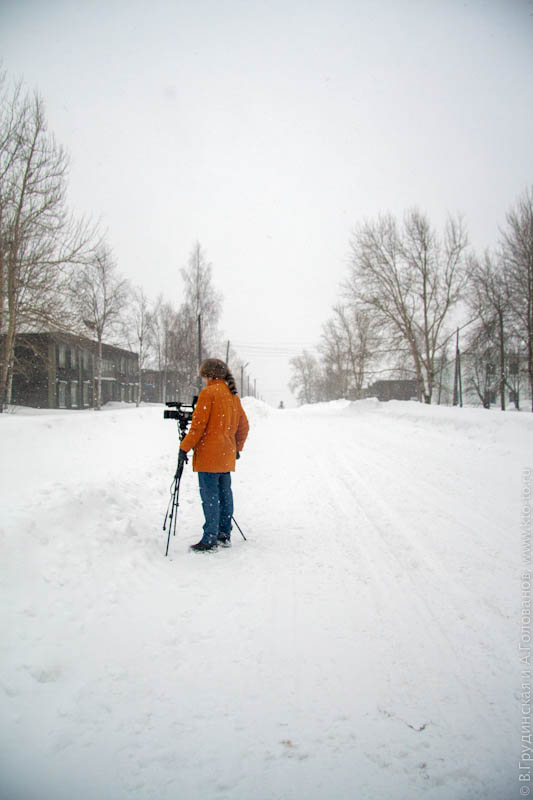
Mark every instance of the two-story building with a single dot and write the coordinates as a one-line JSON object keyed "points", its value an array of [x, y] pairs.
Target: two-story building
{"points": [[57, 370]]}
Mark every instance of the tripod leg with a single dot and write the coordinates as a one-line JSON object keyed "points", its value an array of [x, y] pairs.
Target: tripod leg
{"points": [[169, 512], [237, 524], [176, 504], [173, 512], [168, 542]]}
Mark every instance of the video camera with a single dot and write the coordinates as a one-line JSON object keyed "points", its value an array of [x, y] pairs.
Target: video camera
{"points": [[181, 412]]}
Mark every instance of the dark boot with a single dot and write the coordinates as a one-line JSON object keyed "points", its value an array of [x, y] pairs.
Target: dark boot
{"points": [[201, 546], [224, 539]]}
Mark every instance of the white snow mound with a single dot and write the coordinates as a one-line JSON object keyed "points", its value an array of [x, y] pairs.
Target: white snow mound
{"points": [[256, 409]]}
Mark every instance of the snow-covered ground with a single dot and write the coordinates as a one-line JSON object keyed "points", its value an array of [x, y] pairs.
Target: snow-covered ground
{"points": [[361, 644]]}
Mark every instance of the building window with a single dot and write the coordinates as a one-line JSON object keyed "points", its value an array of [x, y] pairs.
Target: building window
{"points": [[74, 394], [86, 386], [61, 355], [62, 394], [73, 357]]}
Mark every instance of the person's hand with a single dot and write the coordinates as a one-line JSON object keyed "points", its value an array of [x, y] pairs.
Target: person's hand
{"points": [[182, 458], [238, 455]]}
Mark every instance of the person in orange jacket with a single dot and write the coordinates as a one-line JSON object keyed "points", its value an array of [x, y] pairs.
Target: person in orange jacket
{"points": [[218, 431]]}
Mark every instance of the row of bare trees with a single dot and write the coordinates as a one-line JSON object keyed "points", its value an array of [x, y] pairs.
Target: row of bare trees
{"points": [[58, 273], [173, 340], [408, 286], [165, 337]]}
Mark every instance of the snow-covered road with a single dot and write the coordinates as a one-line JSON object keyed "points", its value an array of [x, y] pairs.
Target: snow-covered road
{"points": [[362, 643]]}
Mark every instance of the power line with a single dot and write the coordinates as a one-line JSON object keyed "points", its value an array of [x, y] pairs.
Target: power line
{"points": [[272, 347]]}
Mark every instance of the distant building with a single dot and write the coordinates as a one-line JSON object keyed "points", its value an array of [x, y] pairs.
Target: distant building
{"points": [[393, 390], [56, 370], [158, 386]]}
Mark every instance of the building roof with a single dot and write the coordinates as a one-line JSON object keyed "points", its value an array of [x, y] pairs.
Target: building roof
{"points": [[62, 337]]}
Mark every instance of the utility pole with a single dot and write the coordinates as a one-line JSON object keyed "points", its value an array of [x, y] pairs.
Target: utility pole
{"points": [[502, 362], [199, 350], [248, 392], [243, 366], [514, 371], [460, 380], [457, 382], [227, 352], [489, 372]]}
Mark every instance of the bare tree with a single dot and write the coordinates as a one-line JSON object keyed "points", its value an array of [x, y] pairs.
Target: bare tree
{"points": [[479, 361], [98, 297], [354, 337], [38, 239], [184, 350], [517, 251], [200, 294], [162, 327], [332, 349], [489, 300], [202, 302], [136, 326], [409, 278], [306, 378]]}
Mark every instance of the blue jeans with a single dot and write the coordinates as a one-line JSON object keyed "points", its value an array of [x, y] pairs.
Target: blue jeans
{"points": [[217, 503]]}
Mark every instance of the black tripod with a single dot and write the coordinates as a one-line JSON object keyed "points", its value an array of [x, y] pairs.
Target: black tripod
{"points": [[172, 511]]}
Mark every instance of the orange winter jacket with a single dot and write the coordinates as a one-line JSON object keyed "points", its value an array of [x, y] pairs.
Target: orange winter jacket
{"points": [[219, 428]]}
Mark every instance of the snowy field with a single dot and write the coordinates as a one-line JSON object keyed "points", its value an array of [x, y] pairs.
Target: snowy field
{"points": [[361, 645]]}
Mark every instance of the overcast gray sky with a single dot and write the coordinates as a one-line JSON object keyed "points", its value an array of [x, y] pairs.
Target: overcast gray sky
{"points": [[267, 129]]}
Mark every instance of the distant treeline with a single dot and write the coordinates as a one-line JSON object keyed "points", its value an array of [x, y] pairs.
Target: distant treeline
{"points": [[406, 287]]}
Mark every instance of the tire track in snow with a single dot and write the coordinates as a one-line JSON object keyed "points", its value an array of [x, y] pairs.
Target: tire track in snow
{"points": [[422, 690], [383, 562], [423, 581], [455, 576]]}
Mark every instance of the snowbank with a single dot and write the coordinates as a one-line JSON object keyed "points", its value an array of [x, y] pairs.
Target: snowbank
{"points": [[423, 419], [256, 409], [474, 423], [331, 407]]}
